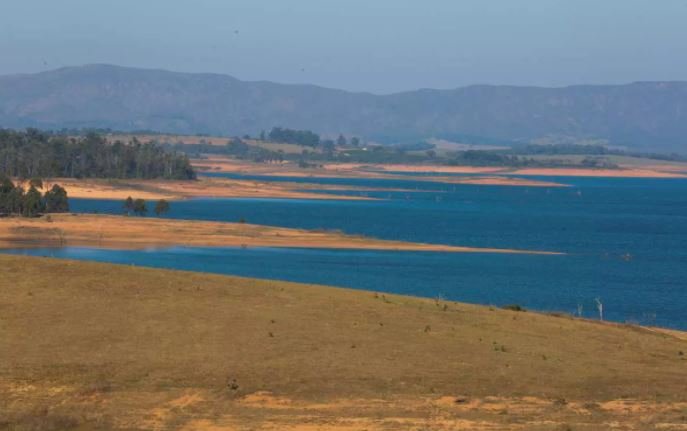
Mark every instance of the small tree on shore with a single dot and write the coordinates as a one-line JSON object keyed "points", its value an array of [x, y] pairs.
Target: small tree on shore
{"points": [[161, 207], [56, 200], [128, 205], [6, 192], [140, 208], [341, 141], [33, 203], [15, 201]]}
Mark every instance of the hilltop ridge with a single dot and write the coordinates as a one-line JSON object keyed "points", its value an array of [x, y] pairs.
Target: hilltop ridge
{"points": [[648, 116]]}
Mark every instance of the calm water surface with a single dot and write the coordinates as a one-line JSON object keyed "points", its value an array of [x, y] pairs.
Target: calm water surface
{"points": [[625, 239]]}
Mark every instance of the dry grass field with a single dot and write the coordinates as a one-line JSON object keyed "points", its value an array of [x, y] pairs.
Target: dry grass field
{"points": [[203, 187], [356, 170], [87, 346], [628, 168], [122, 232]]}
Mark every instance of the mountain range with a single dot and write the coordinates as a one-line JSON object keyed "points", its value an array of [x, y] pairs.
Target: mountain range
{"points": [[646, 116]]}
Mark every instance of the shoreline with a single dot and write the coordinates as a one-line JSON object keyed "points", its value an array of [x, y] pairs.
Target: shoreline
{"points": [[483, 176], [601, 173], [214, 187], [132, 233], [204, 187]]}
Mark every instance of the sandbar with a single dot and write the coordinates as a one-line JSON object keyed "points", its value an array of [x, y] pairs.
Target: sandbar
{"points": [[124, 232], [202, 187]]}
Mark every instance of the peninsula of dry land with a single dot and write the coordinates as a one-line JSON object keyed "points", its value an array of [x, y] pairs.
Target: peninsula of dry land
{"points": [[122, 232], [203, 187], [627, 168]]}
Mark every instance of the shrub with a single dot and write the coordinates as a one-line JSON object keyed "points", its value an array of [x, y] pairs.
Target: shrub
{"points": [[513, 307]]}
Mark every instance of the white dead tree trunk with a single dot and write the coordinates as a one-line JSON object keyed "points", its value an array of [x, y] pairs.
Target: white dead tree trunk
{"points": [[600, 307]]}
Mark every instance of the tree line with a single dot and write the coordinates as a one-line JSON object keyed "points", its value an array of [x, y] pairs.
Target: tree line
{"points": [[15, 200], [290, 136], [33, 153], [139, 207]]}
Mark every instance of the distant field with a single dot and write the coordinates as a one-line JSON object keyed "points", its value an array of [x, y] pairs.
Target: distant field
{"points": [[96, 346], [625, 161], [187, 139], [211, 140], [286, 148], [442, 147]]}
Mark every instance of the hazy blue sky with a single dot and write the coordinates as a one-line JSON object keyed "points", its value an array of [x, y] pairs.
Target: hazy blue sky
{"points": [[373, 45]]}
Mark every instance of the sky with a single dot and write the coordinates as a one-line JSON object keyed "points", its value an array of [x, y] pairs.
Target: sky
{"points": [[380, 46]]}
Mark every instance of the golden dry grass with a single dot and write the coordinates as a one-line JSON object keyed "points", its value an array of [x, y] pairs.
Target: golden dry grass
{"points": [[355, 170], [203, 187], [493, 180], [122, 232], [625, 172], [655, 170], [499, 176], [97, 346]]}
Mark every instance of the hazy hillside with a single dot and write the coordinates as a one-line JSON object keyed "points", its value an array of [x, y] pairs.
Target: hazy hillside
{"points": [[647, 116]]}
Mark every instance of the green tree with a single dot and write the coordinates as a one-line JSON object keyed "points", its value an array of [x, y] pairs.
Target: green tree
{"points": [[35, 154], [33, 204], [56, 200], [128, 205], [6, 184], [328, 147], [15, 201], [341, 141], [355, 141], [290, 136], [140, 208], [161, 207], [6, 191]]}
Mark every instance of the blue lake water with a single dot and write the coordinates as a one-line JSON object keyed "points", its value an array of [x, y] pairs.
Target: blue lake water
{"points": [[625, 242]]}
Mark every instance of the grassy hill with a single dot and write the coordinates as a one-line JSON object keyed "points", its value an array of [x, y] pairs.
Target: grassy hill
{"points": [[96, 346]]}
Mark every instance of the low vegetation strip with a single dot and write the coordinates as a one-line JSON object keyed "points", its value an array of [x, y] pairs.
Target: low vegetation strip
{"points": [[122, 232], [99, 346]]}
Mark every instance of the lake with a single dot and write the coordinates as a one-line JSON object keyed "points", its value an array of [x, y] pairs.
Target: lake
{"points": [[625, 242]]}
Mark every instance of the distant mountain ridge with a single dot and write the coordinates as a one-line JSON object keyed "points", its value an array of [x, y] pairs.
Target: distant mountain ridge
{"points": [[648, 116]]}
